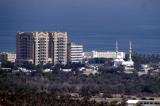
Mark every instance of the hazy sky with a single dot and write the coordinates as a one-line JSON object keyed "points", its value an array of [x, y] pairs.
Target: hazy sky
{"points": [[112, 11], [87, 21]]}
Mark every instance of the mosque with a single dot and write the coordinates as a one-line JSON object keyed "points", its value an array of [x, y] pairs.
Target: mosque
{"points": [[118, 61]]}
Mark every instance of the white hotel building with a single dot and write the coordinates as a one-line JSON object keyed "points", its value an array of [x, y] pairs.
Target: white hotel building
{"points": [[105, 54], [75, 53], [41, 47]]}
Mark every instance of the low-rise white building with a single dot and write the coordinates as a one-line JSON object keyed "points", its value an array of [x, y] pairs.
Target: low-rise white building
{"points": [[24, 70], [105, 54], [5, 56], [143, 102], [47, 70], [66, 70], [145, 68], [89, 71]]}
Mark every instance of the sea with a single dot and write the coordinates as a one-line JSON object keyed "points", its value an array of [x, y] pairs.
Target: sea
{"points": [[94, 36]]}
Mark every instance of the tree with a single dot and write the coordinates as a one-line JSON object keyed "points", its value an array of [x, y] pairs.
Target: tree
{"points": [[139, 104], [7, 64]]}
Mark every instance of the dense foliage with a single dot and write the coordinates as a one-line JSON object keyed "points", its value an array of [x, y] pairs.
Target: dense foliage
{"points": [[46, 89]]}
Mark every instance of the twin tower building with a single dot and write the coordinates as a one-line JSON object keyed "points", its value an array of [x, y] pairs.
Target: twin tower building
{"points": [[46, 47]]}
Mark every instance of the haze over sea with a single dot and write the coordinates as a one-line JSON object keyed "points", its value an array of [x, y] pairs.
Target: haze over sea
{"points": [[96, 24]]}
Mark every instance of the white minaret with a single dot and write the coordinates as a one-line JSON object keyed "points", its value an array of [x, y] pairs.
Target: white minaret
{"points": [[116, 49], [130, 51], [118, 60]]}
